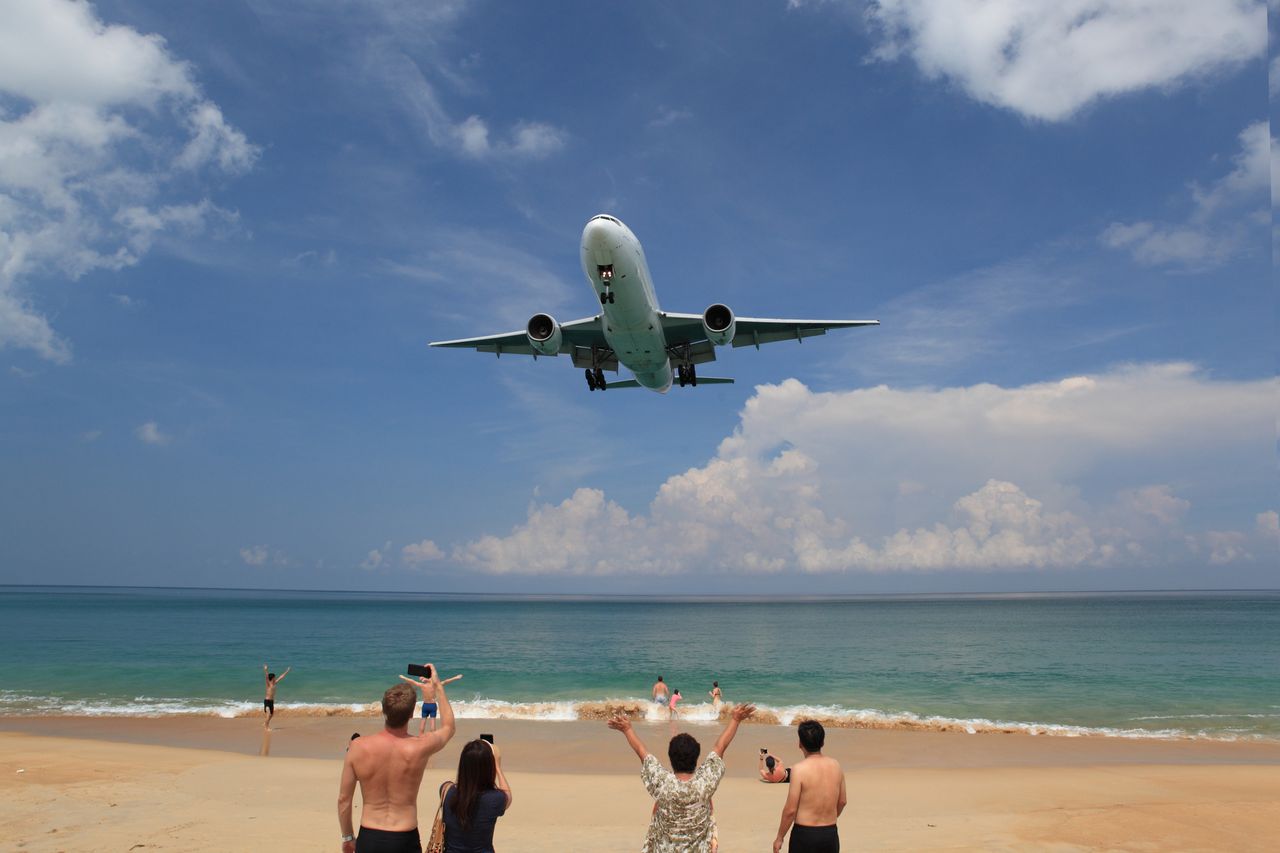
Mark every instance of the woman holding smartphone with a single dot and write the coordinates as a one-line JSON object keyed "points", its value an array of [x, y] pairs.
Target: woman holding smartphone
{"points": [[481, 796]]}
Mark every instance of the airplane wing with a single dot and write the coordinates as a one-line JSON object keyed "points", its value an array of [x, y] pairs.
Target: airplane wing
{"points": [[749, 331], [584, 333]]}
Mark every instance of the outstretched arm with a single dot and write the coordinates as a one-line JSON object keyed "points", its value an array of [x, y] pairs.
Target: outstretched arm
{"points": [[280, 677], [740, 713], [450, 680], [620, 723]]}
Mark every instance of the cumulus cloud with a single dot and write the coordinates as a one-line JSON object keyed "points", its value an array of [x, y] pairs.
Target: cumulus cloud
{"points": [[417, 553], [1048, 59], [1073, 473], [150, 433], [375, 558], [100, 120], [1212, 232]]}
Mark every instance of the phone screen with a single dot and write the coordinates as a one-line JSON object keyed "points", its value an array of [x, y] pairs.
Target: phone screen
{"points": [[487, 737], [419, 669]]}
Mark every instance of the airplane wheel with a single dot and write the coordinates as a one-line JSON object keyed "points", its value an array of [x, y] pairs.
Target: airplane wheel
{"points": [[591, 380], [604, 297], [600, 382]]}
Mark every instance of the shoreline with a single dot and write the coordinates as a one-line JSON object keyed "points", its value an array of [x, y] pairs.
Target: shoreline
{"points": [[640, 710], [201, 784]]}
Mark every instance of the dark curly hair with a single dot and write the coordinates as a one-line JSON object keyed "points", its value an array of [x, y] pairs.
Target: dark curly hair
{"points": [[683, 752]]}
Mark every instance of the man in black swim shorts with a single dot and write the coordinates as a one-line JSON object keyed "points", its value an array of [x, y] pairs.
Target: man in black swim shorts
{"points": [[269, 703], [388, 767], [815, 797]]}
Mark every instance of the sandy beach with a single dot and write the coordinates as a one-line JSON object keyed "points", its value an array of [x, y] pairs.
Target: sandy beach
{"points": [[203, 784]]}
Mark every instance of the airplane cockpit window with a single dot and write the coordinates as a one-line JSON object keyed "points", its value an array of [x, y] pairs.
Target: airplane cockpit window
{"points": [[607, 217]]}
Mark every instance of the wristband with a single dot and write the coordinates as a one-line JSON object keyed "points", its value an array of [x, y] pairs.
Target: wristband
{"points": [[347, 838]]}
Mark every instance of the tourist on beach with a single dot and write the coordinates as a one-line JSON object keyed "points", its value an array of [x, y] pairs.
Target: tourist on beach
{"points": [[389, 767], [671, 708], [815, 798], [269, 703], [716, 697], [473, 805], [660, 692], [427, 686], [682, 821], [771, 769]]}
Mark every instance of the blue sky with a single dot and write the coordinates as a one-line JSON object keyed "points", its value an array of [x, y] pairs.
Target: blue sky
{"points": [[228, 229]]}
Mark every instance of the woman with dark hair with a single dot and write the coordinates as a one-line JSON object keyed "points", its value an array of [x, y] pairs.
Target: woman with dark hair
{"points": [[481, 796], [682, 821]]}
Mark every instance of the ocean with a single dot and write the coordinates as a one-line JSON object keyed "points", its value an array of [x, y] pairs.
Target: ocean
{"points": [[1156, 665]]}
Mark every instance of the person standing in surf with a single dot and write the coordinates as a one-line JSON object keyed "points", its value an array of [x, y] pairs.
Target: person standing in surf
{"points": [[428, 688], [269, 701], [660, 692], [716, 698]]}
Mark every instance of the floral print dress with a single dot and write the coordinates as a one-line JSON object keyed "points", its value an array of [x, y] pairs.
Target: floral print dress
{"points": [[682, 823]]}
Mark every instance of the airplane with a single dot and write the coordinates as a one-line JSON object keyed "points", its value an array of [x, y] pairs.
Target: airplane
{"points": [[658, 347]]}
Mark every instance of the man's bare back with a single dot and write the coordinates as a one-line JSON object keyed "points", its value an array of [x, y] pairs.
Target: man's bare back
{"points": [[389, 768], [821, 783]]}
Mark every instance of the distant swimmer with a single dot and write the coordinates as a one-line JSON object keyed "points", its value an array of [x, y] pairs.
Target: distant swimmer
{"points": [[269, 702], [716, 697], [815, 799], [660, 692], [771, 769], [388, 766], [675, 697], [428, 688]]}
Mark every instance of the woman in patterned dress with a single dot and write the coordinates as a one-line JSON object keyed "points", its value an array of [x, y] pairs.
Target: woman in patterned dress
{"points": [[682, 821]]}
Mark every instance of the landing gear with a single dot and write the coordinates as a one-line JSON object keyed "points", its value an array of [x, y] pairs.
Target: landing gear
{"points": [[686, 374], [607, 296], [595, 379]]}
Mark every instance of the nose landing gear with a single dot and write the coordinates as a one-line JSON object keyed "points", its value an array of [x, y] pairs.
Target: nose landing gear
{"points": [[606, 296]]}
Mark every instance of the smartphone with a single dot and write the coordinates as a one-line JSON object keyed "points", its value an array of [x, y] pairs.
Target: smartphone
{"points": [[763, 750], [419, 669], [488, 738]]}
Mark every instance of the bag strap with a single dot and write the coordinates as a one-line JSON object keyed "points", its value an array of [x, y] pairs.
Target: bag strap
{"points": [[444, 789]]}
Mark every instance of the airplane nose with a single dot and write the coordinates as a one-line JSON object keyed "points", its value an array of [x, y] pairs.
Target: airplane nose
{"points": [[601, 235]]}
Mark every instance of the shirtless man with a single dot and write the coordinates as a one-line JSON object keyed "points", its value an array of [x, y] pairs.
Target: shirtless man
{"points": [[269, 702], [660, 691], [427, 686], [389, 767], [815, 799]]}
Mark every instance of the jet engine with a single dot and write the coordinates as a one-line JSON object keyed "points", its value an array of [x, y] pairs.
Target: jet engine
{"points": [[719, 324], [544, 334]]}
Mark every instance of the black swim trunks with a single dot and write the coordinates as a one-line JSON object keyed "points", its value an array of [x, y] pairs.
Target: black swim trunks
{"points": [[814, 839], [386, 841], [269, 705]]}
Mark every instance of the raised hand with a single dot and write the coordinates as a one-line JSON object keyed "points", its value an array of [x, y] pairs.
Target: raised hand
{"points": [[620, 723], [743, 712]]}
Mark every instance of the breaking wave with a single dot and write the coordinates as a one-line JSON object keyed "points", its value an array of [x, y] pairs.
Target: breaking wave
{"points": [[480, 708]]}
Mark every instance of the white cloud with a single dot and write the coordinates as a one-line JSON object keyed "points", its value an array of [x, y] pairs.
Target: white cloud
{"points": [[375, 558], [149, 433], [417, 553], [1048, 59], [1268, 524], [100, 119], [471, 137], [261, 555], [1212, 232], [1074, 473]]}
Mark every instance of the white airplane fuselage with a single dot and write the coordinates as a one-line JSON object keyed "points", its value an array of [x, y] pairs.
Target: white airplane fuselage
{"points": [[613, 262]]}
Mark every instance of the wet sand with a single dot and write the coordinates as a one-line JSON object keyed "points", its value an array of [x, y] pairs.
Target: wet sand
{"points": [[205, 784]]}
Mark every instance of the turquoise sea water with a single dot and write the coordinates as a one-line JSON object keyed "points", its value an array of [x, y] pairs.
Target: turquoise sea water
{"points": [[1157, 665]]}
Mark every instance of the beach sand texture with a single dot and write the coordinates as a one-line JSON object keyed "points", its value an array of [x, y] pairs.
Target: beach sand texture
{"points": [[116, 785]]}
